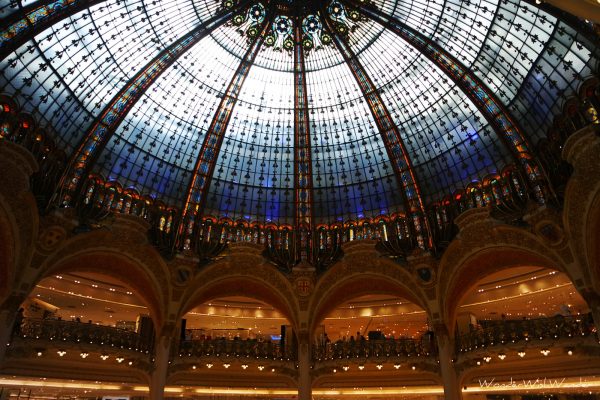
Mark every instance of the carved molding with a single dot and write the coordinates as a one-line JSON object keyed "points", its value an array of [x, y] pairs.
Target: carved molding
{"points": [[244, 269], [372, 272], [582, 150]]}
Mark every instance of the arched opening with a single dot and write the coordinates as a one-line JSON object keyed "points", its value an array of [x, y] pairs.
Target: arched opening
{"points": [[381, 338], [7, 251], [83, 323], [235, 341], [455, 284], [527, 319]]}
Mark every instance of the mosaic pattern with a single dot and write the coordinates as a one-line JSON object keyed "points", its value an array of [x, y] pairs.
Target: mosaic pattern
{"points": [[89, 69]]}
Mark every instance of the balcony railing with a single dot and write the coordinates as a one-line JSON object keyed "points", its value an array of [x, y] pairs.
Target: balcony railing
{"points": [[241, 349], [493, 333], [386, 348], [83, 333]]}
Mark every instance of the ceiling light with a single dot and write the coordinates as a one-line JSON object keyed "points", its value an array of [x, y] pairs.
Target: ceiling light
{"points": [[61, 352], [346, 367], [40, 353], [521, 353], [193, 367], [120, 359], [502, 356], [361, 367], [83, 354], [487, 359], [130, 363], [397, 366], [261, 367], [414, 367], [209, 365], [545, 352], [379, 366], [334, 370], [244, 366], [570, 352], [226, 365], [104, 357]]}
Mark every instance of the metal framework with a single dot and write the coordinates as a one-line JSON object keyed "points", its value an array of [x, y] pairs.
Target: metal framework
{"points": [[303, 181], [485, 101], [207, 157], [397, 153], [30, 21], [114, 113]]}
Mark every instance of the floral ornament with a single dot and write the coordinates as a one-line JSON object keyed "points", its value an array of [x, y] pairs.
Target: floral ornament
{"points": [[345, 19], [313, 36], [281, 35], [247, 23]]}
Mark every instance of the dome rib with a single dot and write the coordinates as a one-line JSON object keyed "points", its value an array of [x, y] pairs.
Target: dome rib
{"points": [[486, 102], [43, 15], [303, 177], [86, 154], [197, 192], [394, 145]]}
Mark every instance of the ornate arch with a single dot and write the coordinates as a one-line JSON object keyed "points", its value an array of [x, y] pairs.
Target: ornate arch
{"points": [[358, 275], [8, 249], [19, 220], [485, 246], [139, 267], [456, 284], [242, 274], [581, 213]]}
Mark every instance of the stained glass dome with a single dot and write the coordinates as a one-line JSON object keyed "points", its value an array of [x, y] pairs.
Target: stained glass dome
{"points": [[267, 111]]}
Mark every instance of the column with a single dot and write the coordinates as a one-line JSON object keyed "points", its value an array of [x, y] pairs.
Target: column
{"points": [[161, 367], [8, 312], [445, 343], [304, 361]]}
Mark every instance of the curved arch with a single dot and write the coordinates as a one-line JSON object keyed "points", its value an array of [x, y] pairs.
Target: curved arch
{"points": [[116, 264], [481, 263], [592, 235], [8, 249], [224, 278], [348, 280]]}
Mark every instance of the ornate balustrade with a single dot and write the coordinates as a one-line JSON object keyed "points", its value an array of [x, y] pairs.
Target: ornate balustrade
{"points": [[238, 349], [60, 331], [503, 332], [376, 349]]}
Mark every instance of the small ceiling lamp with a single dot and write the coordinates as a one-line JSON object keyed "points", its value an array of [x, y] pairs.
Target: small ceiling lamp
{"points": [[502, 356], [226, 365], [194, 367], [397, 366], [379, 366], [414, 367], [361, 366], [346, 367], [261, 367], [61, 353], [83, 354], [521, 353], [209, 365], [570, 352], [487, 359], [120, 359], [40, 353], [104, 357], [545, 352], [244, 366]]}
